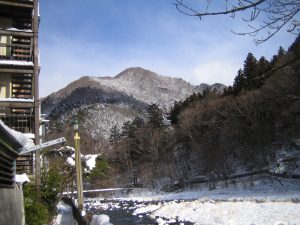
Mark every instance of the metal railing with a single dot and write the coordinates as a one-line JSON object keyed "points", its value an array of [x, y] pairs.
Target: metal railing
{"points": [[21, 123]]}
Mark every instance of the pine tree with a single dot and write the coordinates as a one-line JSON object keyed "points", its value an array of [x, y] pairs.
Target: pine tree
{"points": [[127, 129], [239, 82], [115, 134], [155, 116], [250, 71], [279, 57], [175, 111], [138, 122], [263, 65]]}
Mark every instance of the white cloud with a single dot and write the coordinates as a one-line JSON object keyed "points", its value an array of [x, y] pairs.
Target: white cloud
{"points": [[216, 72]]}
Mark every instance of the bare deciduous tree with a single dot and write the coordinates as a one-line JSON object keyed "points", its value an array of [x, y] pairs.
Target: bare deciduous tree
{"points": [[272, 15]]}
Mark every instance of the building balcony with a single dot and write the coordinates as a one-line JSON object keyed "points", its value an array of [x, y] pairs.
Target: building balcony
{"points": [[16, 88], [22, 123], [16, 52]]}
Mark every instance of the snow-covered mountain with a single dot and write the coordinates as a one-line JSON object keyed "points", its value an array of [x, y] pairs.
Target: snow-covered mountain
{"points": [[113, 100], [135, 83]]}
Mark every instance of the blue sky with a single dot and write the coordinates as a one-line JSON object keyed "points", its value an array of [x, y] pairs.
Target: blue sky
{"points": [[104, 37]]}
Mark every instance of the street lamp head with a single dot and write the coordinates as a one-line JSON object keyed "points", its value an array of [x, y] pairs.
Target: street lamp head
{"points": [[75, 125]]}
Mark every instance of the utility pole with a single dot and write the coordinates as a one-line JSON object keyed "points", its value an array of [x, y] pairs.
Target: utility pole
{"points": [[36, 94], [78, 166]]}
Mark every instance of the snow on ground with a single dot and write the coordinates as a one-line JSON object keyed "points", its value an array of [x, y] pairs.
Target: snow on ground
{"points": [[267, 202], [65, 215], [265, 189], [231, 212]]}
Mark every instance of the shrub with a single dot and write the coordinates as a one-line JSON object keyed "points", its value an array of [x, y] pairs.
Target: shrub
{"points": [[36, 213]]}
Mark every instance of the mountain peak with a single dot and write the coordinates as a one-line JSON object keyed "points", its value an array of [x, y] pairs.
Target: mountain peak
{"points": [[134, 71]]}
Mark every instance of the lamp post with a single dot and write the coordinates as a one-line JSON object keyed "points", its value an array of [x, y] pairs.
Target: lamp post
{"points": [[78, 165]]}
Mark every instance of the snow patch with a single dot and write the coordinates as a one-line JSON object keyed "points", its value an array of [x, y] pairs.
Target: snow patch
{"points": [[15, 29], [71, 161], [21, 178], [16, 62], [91, 160], [15, 100]]}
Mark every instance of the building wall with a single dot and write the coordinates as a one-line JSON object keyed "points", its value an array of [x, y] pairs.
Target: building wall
{"points": [[11, 207]]}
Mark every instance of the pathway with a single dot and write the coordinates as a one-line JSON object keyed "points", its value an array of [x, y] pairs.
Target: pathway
{"points": [[64, 216]]}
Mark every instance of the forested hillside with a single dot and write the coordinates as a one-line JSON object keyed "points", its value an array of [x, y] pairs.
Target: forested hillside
{"points": [[101, 103], [213, 134]]}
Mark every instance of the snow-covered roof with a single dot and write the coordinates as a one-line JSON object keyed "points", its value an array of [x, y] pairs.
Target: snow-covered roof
{"points": [[22, 139], [16, 62]]}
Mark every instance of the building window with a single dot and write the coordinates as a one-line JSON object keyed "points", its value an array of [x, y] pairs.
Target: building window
{"points": [[4, 46]]}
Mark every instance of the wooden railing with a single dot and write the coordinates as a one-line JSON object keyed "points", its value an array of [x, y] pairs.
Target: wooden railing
{"points": [[19, 52], [21, 123]]}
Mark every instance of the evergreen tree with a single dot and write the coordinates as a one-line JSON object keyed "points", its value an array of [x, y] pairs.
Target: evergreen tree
{"points": [[115, 134], [239, 82], [263, 65], [250, 71], [155, 116], [174, 112], [228, 91], [127, 129], [279, 57], [138, 122]]}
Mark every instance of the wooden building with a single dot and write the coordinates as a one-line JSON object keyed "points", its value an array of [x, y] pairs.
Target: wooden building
{"points": [[19, 70], [11, 197]]}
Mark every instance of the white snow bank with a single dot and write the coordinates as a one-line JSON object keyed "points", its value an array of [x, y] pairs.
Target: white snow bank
{"points": [[268, 202], [233, 213], [21, 178], [266, 189], [21, 138]]}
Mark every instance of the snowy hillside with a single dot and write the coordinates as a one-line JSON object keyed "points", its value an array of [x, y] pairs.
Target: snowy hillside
{"points": [[107, 101], [99, 118], [149, 87], [137, 83]]}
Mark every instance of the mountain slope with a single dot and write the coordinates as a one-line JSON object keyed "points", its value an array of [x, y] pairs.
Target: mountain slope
{"points": [[103, 102], [133, 83]]}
